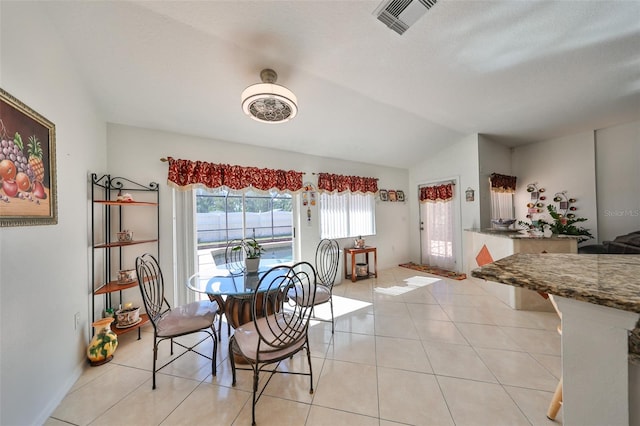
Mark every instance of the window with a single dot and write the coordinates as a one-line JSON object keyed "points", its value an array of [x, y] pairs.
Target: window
{"points": [[223, 215], [502, 188], [347, 215], [501, 205]]}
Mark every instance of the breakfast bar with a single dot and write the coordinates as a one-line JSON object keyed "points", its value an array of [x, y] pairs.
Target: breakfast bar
{"points": [[599, 297]]}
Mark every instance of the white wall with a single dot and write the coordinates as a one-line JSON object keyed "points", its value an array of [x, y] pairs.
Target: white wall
{"points": [[44, 269], [459, 161], [618, 180], [135, 153], [564, 164], [493, 158]]}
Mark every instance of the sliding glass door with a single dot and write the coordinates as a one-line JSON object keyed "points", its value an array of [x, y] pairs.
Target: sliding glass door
{"points": [[223, 215]]}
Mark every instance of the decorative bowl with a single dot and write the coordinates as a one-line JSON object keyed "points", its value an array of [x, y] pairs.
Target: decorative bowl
{"points": [[502, 223], [126, 276], [125, 236], [128, 316]]}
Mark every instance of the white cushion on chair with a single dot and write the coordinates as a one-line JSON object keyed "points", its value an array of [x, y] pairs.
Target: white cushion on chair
{"points": [[247, 339], [302, 298], [187, 318]]}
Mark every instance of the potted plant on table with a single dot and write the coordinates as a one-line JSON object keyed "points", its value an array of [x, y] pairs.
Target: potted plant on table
{"points": [[252, 252]]}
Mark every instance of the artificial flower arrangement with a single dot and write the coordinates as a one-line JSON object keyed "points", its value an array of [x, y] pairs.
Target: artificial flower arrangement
{"points": [[565, 226], [561, 225]]}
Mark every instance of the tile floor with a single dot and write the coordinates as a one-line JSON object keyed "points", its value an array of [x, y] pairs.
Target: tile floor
{"points": [[430, 351]]}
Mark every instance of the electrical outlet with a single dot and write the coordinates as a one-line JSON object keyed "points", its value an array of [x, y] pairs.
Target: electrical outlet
{"points": [[76, 320]]}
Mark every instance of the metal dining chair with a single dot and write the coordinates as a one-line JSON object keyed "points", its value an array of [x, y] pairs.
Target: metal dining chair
{"points": [[278, 330], [234, 257], [169, 323], [327, 259], [234, 262]]}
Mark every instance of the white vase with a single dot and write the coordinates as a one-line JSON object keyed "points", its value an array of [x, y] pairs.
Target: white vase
{"points": [[252, 265]]}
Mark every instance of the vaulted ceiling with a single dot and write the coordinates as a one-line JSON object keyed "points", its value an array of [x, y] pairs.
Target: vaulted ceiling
{"points": [[517, 71]]}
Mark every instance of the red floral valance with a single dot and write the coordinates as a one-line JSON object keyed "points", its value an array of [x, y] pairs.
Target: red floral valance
{"points": [[436, 193], [338, 183], [503, 183], [184, 174]]}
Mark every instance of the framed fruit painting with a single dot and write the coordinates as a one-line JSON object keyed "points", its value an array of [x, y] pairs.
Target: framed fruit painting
{"points": [[27, 165]]}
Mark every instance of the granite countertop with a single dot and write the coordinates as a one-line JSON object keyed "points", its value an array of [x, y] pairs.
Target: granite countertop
{"points": [[515, 234], [603, 279]]}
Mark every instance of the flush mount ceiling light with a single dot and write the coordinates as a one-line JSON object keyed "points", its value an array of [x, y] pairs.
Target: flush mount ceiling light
{"points": [[268, 102]]}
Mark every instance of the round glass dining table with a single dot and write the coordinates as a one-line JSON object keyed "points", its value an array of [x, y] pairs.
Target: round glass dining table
{"points": [[238, 287], [228, 282]]}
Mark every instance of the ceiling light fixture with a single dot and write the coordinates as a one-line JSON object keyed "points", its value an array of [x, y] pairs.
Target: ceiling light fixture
{"points": [[268, 102]]}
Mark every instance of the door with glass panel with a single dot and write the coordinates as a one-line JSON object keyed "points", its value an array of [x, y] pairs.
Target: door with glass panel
{"points": [[437, 225], [223, 215]]}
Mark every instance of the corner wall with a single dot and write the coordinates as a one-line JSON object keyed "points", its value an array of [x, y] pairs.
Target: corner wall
{"points": [[44, 278]]}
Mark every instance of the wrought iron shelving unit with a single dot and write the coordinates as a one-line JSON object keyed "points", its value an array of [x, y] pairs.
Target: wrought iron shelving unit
{"points": [[109, 256]]}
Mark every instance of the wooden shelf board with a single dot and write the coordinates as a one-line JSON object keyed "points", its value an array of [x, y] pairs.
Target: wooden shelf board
{"points": [[119, 331], [113, 286], [125, 203], [123, 243], [361, 277]]}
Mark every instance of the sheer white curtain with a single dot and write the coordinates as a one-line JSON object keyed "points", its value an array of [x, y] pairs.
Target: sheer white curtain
{"points": [[184, 258], [438, 234], [501, 205]]}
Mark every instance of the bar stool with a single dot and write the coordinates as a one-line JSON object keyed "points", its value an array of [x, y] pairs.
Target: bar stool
{"points": [[556, 401]]}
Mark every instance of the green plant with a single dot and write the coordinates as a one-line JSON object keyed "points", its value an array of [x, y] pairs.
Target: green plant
{"points": [[534, 224], [565, 226], [252, 249]]}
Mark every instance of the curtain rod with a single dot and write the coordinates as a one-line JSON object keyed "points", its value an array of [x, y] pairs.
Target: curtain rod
{"points": [[314, 173], [452, 182]]}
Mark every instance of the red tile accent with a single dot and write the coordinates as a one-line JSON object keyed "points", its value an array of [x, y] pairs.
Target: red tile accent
{"points": [[484, 256]]}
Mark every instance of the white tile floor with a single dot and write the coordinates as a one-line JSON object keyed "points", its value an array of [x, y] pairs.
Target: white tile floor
{"points": [[445, 353]]}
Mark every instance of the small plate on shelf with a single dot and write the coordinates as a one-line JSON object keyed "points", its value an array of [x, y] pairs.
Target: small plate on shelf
{"points": [[129, 325]]}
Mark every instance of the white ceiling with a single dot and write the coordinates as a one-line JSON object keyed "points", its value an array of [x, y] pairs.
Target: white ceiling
{"points": [[519, 71]]}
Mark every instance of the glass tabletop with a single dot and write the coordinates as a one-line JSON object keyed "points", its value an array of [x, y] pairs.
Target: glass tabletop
{"points": [[230, 283]]}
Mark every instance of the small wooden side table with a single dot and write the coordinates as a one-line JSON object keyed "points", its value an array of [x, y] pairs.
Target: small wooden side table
{"points": [[355, 251]]}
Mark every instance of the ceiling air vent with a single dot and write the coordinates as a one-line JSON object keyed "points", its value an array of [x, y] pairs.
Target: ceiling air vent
{"points": [[399, 15]]}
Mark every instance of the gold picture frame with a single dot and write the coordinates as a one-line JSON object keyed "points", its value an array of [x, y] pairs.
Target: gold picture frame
{"points": [[28, 192]]}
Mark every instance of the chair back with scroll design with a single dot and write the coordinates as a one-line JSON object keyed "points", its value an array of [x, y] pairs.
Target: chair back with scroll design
{"points": [[234, 256], [169, 323], [327, 259], [278, 329]]}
